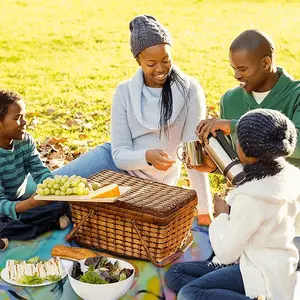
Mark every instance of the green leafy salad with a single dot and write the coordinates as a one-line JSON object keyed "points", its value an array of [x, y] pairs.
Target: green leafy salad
{"points": [[34, 271], [100, 271]]}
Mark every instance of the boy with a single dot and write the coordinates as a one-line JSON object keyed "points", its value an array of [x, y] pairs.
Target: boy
{"points": [[22, 217]]}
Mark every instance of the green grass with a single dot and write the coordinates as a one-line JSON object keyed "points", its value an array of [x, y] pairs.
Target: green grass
{"points": [[69, 54]]}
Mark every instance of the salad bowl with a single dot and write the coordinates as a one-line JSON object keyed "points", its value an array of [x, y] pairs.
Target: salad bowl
{"points": [[105, 290]]}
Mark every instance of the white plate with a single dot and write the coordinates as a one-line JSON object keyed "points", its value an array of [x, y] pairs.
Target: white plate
{"points": [[86, 198], [65, 266]]}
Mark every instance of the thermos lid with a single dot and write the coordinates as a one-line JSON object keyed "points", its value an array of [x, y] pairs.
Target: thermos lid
{"points": [[239, 178]]}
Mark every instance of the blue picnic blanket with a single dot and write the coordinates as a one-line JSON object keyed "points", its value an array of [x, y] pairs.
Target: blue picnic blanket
{"points": [[148, 285]]}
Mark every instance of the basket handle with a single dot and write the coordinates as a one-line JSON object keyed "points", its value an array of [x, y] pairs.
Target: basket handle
{"points": [[169, 259], [73, 231]]}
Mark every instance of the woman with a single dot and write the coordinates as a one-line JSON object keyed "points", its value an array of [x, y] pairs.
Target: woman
{"points": [[255, 240], [152, 114]]}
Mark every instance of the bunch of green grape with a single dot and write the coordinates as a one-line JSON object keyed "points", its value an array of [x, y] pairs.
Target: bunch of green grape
{"points": [[64, 186]]}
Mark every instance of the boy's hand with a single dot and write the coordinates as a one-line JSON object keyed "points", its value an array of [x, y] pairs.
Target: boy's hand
{"points": [[220, 206], [159, 159], [29, 204], [36, 203]]}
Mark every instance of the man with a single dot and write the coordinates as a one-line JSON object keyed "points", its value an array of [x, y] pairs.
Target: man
{"points": [[262, 85]]}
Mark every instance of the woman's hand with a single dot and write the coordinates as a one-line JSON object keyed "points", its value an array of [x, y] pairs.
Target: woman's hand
{"points": [[220, 206], [205, 127], [159, 159]]}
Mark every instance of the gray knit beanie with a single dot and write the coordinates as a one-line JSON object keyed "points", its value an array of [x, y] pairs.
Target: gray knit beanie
{"points": [[146, 32], [266, 134]]}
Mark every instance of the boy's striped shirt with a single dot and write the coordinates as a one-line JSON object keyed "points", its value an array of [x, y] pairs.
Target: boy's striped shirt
{"points": [[15, 165]]}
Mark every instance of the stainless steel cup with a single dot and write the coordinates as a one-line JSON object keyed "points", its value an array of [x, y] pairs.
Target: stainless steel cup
{"points": [[193, 153]]}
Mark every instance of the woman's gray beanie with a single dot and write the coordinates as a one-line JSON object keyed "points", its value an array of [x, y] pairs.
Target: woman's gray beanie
{"points": [[146, 31]]}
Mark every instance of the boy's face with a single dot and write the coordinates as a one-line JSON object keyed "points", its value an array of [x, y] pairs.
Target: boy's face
{"points": [[14, 123]]}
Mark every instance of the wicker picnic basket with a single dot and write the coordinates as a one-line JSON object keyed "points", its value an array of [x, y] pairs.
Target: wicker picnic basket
{"points": [[151, 221]]}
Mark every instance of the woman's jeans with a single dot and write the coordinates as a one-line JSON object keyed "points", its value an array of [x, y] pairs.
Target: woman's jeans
{"points": [[91, 162], [206, 280]]}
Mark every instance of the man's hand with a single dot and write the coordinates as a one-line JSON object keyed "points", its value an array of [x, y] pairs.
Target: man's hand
{"points": [[205, 127], [159, 159], [220, 206]]}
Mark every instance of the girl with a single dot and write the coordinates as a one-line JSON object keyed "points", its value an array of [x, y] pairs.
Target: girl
{"points": [[256, 240]]}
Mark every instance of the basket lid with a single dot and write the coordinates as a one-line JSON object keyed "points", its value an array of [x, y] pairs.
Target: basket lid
{"points": [[146, 196]]}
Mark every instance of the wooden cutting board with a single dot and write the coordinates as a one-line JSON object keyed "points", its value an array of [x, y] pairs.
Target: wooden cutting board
{"points": [[85, 198]]}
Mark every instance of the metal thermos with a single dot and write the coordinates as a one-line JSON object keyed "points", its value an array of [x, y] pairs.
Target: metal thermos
{"points": [[226, 159]]}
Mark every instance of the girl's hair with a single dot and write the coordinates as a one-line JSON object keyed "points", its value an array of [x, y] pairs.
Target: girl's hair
{"points": [[166, 101], [6, 99]]}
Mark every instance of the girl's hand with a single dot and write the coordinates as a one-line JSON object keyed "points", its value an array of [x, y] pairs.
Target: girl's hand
{"points": [[159, 159], [220, 206]]}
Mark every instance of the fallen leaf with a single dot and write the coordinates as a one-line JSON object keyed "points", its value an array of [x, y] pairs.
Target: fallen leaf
{"points": [[70, 123], [50, 111], [65, 127], [56, 147], [55, 153], [56, 163], [78, 121], [79, 114], [83, 136], [33, 114], [88, 125], [54, 140]]}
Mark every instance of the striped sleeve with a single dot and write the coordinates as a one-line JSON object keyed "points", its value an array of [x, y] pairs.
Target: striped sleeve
{"points": [[7, 207], [37, 169]]}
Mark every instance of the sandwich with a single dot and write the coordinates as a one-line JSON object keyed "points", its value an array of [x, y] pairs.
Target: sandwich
{"points": [[34, 270]]}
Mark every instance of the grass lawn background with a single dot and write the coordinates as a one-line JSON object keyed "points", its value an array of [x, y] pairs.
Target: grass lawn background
{"points": [[66, 56]]}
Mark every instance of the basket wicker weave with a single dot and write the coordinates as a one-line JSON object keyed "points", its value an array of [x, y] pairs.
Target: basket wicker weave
{"points": [[151, 221]]}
